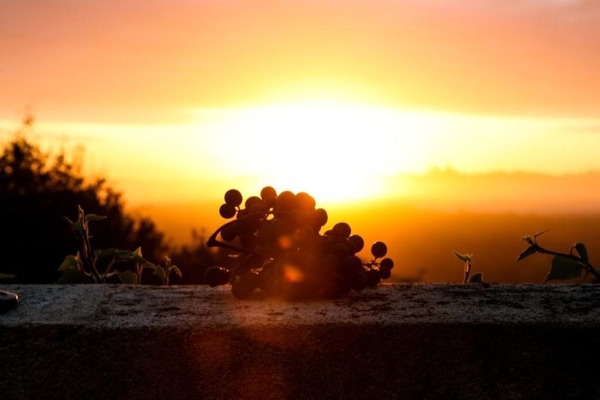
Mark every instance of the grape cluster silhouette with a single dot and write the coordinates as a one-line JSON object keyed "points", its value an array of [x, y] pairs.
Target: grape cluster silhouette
{"points": [[281, 251]]}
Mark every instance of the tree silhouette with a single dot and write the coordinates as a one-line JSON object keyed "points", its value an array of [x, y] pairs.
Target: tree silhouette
{"points": [[37, 191]]}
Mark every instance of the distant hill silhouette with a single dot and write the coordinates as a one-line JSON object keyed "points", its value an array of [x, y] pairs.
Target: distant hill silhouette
{"points": [[521, 192]]}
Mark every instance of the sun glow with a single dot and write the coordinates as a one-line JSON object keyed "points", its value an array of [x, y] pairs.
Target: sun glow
{"points": [[333, 150]]}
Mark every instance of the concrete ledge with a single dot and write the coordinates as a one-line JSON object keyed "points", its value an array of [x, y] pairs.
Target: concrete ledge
{"points": [[408, 341]]}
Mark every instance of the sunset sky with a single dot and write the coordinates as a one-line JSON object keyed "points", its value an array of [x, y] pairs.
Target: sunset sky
{"points": [[175, 100]]}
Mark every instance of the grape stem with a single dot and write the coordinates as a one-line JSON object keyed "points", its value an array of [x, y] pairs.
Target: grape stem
{"points": [[214, 242]]}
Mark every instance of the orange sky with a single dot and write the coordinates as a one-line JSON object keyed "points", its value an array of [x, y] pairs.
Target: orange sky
{"points": [[150, 61], [147, 86]]}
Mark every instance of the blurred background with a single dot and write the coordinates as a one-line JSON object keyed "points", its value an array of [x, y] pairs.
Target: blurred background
{"points": [[434, 126]]}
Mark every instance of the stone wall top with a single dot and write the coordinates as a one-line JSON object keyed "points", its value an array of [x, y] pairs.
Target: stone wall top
{"points": [[407, 341], [123, 306]]}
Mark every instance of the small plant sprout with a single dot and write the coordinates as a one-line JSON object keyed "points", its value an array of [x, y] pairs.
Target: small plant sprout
{"points": [[565, 266], [97, 266], [163, 272], [467, 259]]}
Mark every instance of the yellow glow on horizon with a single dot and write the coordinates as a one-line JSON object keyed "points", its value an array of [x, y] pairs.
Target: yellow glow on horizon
{"points": [[338, 151], [333, 150]]}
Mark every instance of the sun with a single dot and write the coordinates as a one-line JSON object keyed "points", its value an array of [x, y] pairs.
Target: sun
{"points": [[333, 150]]}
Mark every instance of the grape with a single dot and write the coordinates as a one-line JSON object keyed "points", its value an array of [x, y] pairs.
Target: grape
{"points": [[345, 284], [227, 210], [385, 268], [305, 236], [385, 273], [341, 230], [386, 263], [378, 249], [248, 240], [253, 201], [270, 279], [286, 201], [341, 250], [233, 197], [359, 280], [283, 254], [265, 275], [374, 277], [305, 201], [293, 290], [215, 276], [299, 217], [268, 195], [229, 232], [318, 218], [358, 242], [324, 243], [254, 260], [266, 235], [242, 213], [330, 263], [268, 192], [245, 285], [331, 290], [352, 264], [249, 223]]}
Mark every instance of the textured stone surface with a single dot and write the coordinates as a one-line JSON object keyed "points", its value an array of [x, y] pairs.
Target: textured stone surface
{"points": [[395, 341]]}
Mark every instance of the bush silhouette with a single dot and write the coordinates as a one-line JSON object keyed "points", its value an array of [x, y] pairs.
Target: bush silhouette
{"points": [[194, 258], [37, 190]]}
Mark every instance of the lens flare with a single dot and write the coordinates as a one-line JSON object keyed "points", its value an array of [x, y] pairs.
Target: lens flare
{"points": [[292, 273]]}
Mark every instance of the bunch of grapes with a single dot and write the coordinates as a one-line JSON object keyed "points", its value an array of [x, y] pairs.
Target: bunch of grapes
{"points": [[280, 250]]}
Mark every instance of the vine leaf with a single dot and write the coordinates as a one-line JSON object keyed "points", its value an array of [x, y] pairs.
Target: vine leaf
{"points": [[160, 273], [463, 257], [175, 269], [528, 239], [564, 268], [94, 217], [582, 251], [73, 276], [70, 263], [128, 277], [531, 250], [476, 278]]}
